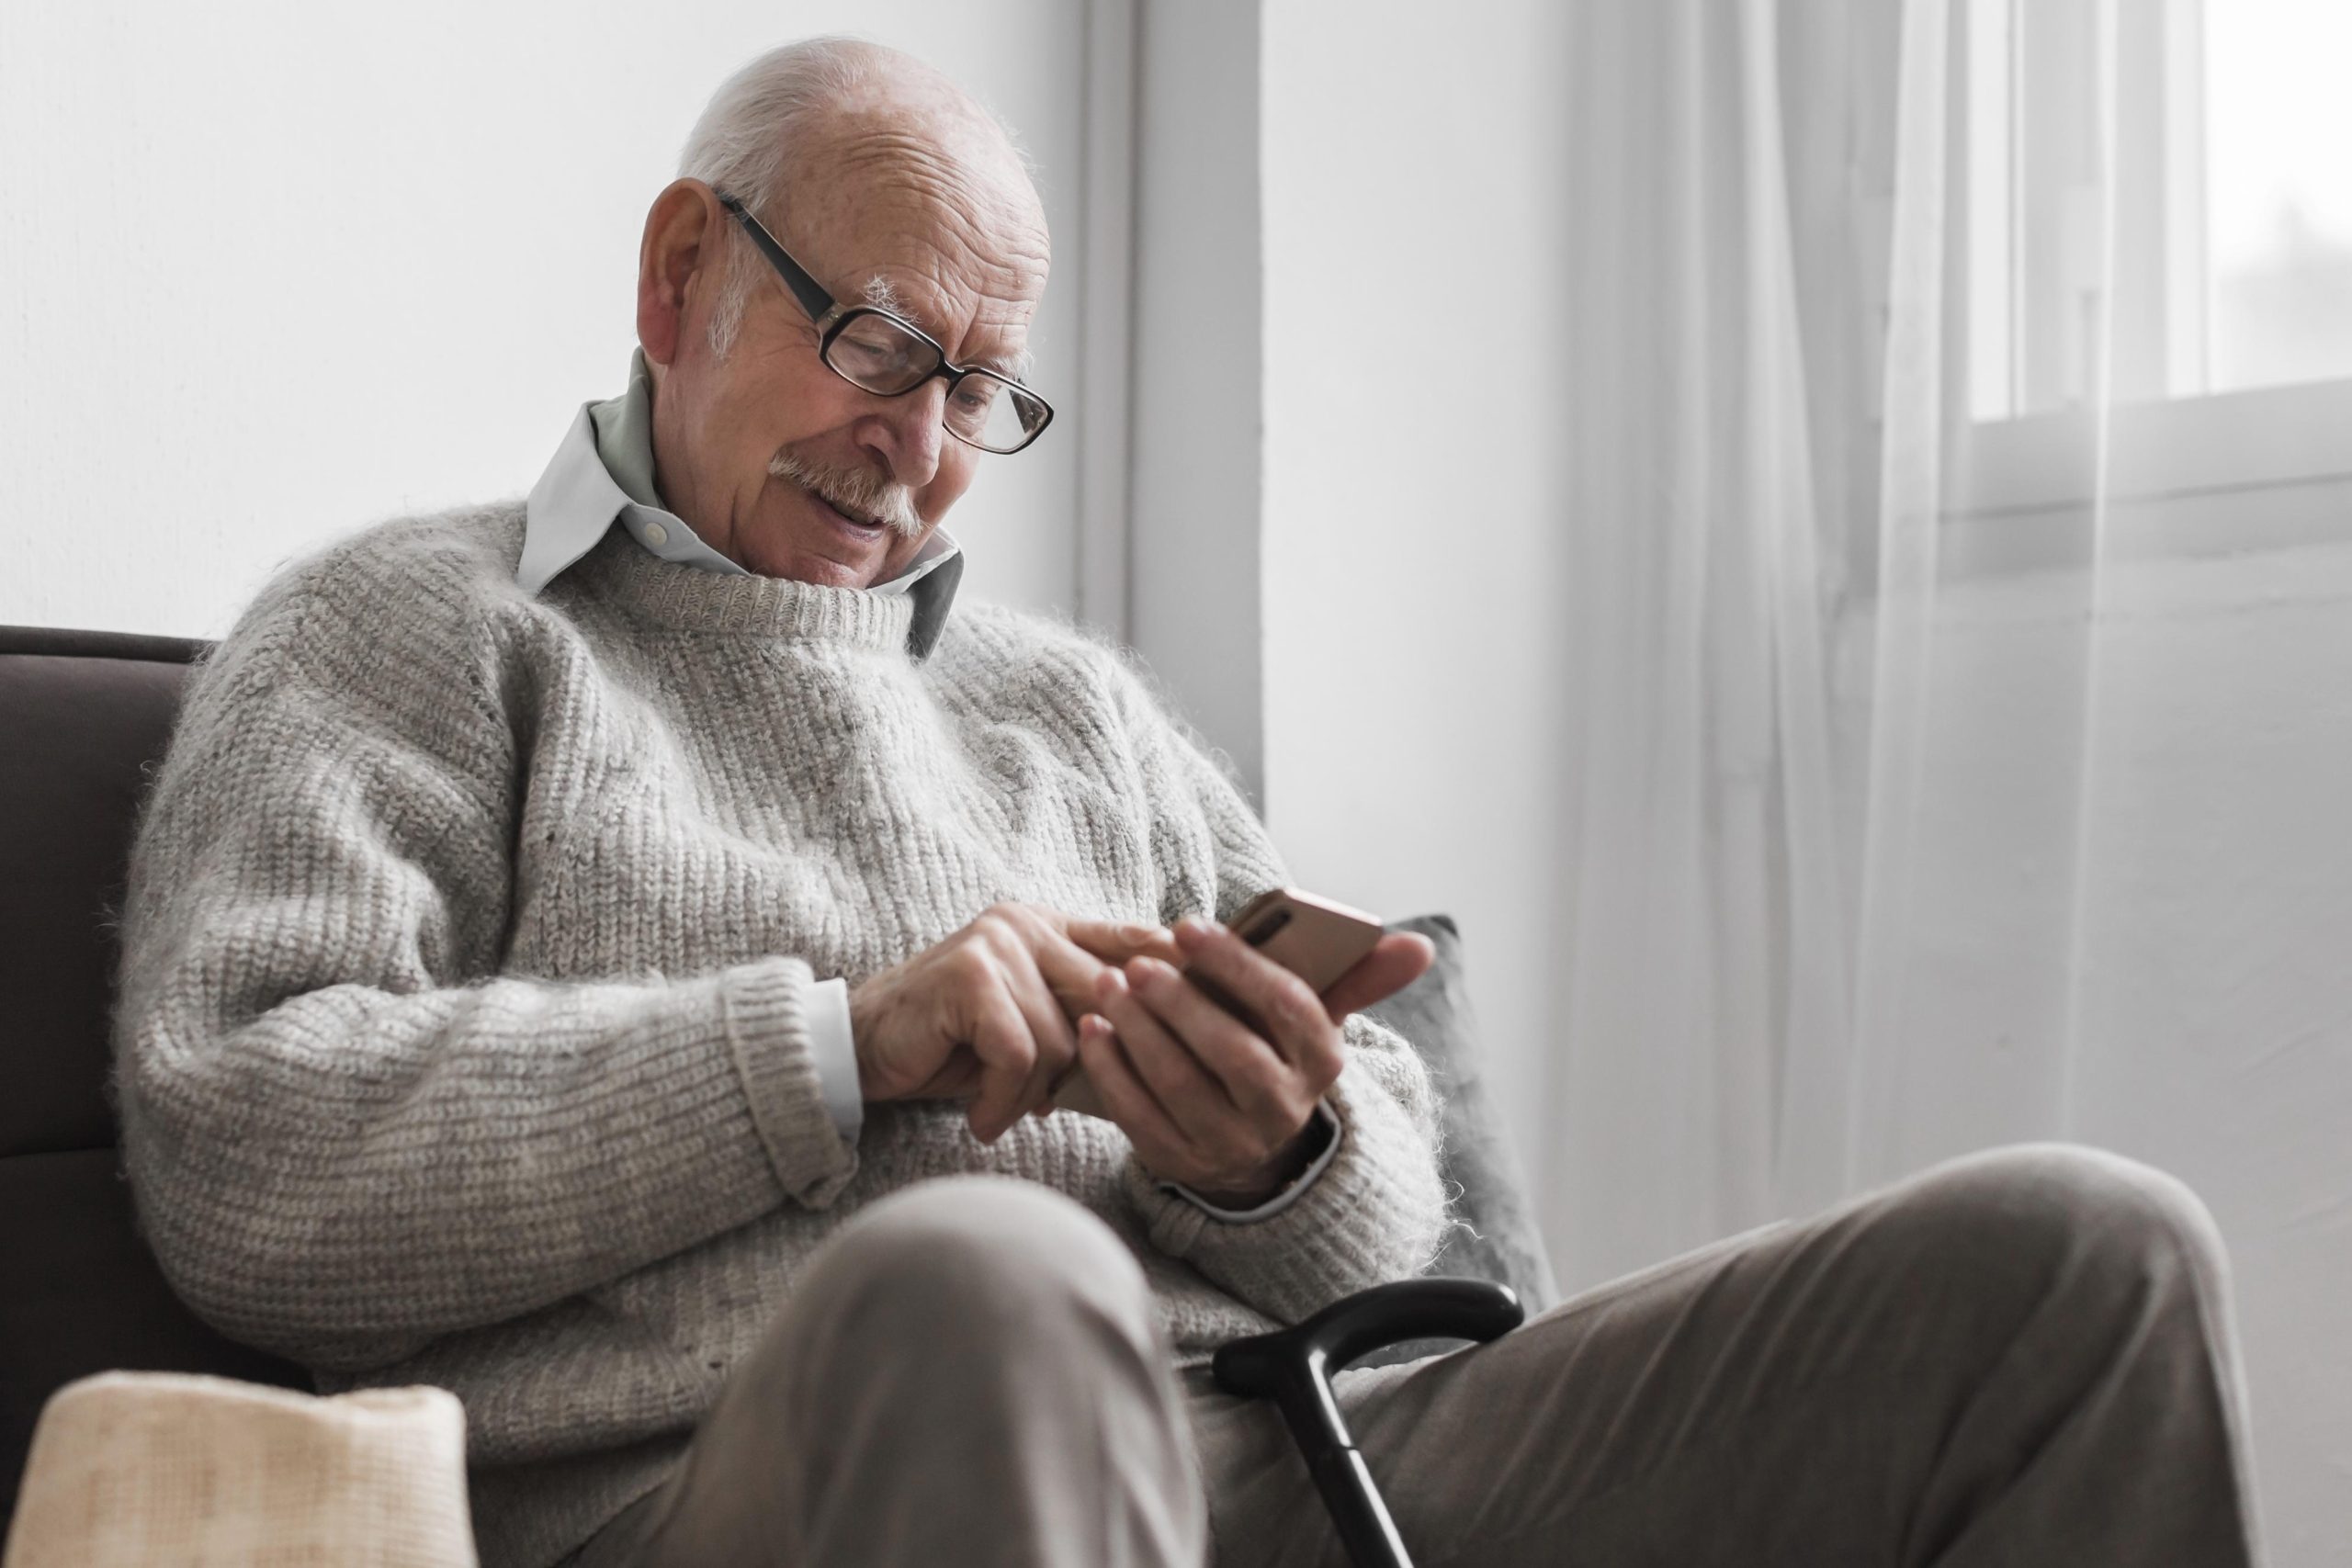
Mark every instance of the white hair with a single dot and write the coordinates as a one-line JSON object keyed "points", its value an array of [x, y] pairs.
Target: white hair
{"points": [[747, 140]]}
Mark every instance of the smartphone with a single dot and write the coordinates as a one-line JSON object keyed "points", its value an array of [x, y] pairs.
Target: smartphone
{"points": [[1315, 938]]}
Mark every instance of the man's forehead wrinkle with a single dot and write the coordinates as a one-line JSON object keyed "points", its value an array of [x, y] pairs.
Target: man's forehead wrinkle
{"points": [[959, 270], [922, 208], [990, 340], [948, 165], [1000, 335], [898, 247]]}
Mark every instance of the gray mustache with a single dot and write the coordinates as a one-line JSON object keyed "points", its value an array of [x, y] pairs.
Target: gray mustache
{"points": [[860, 491]]}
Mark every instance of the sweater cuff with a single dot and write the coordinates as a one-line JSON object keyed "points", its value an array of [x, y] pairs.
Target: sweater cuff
{"points": [[1376, 1214], [1288, 1195], [769, 1008]]}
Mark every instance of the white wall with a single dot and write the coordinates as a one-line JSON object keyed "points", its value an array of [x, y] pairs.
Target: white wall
{"points": [[270, 272], [1196, 595], [1415, 222]]}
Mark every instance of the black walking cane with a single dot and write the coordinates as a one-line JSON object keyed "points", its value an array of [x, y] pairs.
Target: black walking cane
{"points": [[1293, 1368]]}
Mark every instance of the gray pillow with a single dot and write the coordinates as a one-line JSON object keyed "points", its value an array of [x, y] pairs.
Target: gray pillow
{"points": [[1497, 1238]]}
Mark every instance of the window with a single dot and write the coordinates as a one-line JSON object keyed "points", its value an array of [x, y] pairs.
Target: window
{"points": [[2277, 127], [2194, 273], [2226, 232]]}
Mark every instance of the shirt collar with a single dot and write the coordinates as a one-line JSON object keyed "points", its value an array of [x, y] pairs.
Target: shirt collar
{"points": [[602, 472]]}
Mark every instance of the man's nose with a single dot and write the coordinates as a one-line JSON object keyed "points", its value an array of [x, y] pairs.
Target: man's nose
{"points": [[905, 432]]}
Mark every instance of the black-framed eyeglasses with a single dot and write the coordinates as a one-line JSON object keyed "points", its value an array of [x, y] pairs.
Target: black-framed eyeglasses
{"points": [[889, 355]]}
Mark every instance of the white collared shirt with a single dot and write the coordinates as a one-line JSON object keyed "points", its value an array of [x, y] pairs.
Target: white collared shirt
{"points": [[603, 472]]}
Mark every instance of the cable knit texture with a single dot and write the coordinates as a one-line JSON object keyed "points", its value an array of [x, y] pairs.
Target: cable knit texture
{"points": [[463, 1036]]}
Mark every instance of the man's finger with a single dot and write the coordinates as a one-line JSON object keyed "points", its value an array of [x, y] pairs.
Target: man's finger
{"points": [[1126, 1099], [1273, 1004], [1051, 1032], [1114, 942], [958, 1077], [1007, 1052], [1192, 1097], [1248, 1071], [1068, 971], [1073, 959], [1398, 960]]}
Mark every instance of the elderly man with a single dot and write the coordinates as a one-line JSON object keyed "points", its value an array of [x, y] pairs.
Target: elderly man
{"points": [[618, 974]]}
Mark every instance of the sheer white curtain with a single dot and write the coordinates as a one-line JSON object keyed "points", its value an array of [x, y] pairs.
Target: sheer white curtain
{"points": [[1710, 930], [1962, 591]]}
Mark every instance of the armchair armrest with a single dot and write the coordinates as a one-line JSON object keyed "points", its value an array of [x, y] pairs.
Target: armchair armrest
{"points": [[1293, 1367]]}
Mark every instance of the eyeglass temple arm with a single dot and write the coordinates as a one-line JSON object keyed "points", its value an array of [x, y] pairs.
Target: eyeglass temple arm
{"points": [[805, 289]]}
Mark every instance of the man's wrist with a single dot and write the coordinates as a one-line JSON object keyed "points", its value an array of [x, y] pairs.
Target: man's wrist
{"points": [[1288, 1164]]}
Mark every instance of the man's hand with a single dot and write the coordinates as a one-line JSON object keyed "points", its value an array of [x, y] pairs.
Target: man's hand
{"points": [[1217, 1101], [985, 1015]]}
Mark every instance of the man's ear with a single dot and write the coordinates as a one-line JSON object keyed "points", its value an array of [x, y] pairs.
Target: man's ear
{"points": [[680, 234]]}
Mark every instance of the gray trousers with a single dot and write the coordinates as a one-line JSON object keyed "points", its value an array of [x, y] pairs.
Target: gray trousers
{"points": [[2024, 1356]]}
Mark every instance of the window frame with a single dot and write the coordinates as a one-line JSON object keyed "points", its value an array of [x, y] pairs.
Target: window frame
{"points": [[2282, 455]]}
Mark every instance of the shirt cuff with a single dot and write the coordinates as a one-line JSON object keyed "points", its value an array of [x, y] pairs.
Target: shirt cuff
{"points": [[836, 1053], [1281, 1200]]}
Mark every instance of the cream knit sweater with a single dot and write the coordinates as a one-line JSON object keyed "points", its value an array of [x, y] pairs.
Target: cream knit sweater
{"points": [[462, 1037]]}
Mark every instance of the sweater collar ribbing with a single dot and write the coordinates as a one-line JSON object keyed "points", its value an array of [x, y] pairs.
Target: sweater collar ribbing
{"points": [[665, 593]]}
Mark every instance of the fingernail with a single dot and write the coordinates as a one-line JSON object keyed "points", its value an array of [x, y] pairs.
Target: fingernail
{"points": [[1195, 928], [1142, 936]]}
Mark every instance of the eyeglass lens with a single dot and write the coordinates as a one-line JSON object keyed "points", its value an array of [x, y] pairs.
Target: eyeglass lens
{"points": [[874, 352]]}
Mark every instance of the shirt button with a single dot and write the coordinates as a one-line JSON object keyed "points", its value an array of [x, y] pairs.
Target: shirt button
{"points": [[656, 534]]}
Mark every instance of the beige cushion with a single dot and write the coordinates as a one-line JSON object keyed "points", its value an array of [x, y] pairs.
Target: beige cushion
{"points": [[133, 1469]]}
